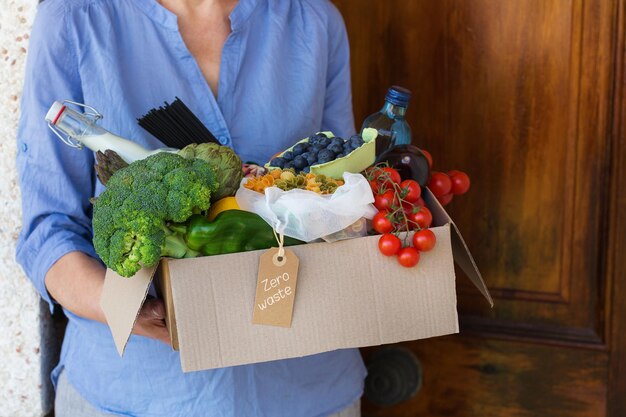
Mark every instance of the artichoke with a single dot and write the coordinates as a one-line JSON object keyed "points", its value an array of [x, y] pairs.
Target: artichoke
{"points": [[225, 163]]}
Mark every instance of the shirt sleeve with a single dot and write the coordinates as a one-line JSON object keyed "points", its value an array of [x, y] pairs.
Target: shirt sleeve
{"points": [[338, 116], [56, 181]]}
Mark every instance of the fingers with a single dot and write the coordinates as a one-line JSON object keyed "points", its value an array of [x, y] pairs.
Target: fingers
{"points": [[154, 329], [161, 334], [153, 309], [151, 321]]}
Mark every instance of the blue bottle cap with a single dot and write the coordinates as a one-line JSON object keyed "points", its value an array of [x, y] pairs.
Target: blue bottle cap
{"points": [[398, 96]]}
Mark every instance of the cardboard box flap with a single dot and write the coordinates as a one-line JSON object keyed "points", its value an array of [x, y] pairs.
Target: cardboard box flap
{"points": [[460, 251], [121, 301], [164, 288], [464, 259]]}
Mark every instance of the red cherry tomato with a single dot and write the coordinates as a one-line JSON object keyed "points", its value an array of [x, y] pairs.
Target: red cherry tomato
{"points": [[389, 244], [413, 190], [381, 222], [420, 202], [391, 174], [439, 183], [374, 186], [424, 240], [407, 206], [428, 157], [408, 257], [370, 172], [460, 182], [384, 201], [444, 200], [423, 218]]}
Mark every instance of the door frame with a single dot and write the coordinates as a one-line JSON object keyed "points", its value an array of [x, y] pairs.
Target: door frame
{"points": [[615, 228]]}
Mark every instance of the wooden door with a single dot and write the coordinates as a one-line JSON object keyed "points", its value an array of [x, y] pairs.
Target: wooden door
{"points": [[527, 97]]}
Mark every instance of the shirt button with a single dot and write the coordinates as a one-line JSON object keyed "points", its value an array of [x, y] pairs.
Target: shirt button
{"points": [[24, 147], [223, 140]]}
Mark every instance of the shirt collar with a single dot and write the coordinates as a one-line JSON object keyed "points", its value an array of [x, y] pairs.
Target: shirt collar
{"points": [[156, 12], [241, 13], [161, 15]]}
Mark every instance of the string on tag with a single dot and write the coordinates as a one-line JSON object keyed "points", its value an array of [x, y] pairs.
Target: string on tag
{"points": [[279, 258]]}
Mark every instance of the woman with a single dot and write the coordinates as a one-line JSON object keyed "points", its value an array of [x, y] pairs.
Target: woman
{"points": [[260, 74]]}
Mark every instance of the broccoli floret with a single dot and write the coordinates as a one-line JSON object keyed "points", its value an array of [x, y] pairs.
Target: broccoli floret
{"points": [[131, 217]]}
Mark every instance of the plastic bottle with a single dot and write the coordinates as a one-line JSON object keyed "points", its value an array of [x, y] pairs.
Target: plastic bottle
{"points": [[393, 144], [392, 127], [81, 130]]}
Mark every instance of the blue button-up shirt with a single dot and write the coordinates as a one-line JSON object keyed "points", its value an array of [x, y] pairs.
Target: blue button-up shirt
{"points": [[284, 74]]}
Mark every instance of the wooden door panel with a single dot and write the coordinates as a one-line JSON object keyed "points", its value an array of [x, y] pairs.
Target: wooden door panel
{"points": [[519, 94], [500, 91], [562, 207]]}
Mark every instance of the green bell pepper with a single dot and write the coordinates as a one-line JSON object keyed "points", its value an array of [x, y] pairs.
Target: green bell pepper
{"points": [[231, 231]]}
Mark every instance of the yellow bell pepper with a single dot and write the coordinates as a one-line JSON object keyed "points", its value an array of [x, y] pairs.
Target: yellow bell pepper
{"points": [[223, 204]]}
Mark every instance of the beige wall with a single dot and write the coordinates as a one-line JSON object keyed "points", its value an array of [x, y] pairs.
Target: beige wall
{"points": [[25, 349]]}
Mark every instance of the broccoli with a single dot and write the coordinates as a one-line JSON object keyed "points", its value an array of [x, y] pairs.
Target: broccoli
{"points": [[134, 218]]}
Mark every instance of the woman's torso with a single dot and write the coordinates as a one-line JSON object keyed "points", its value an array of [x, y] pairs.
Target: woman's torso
{"points": [[272, 91]]}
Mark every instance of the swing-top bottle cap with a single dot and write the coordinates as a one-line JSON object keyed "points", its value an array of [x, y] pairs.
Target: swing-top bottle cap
{"points": [[67, 131], [55, 112]]}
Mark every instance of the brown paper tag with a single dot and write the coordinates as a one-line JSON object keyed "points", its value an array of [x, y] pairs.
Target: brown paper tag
{"points": [[276, 288]]}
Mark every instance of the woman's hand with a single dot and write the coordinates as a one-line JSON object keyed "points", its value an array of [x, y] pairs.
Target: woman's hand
{"points": [[75, 281], [151, 321]]}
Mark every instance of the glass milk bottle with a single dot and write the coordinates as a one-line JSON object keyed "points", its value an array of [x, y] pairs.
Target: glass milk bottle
{"points": [[80, 129]]}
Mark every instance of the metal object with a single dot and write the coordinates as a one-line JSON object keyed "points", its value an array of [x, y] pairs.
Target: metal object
{"points": [[394, 376], [93, 116]]}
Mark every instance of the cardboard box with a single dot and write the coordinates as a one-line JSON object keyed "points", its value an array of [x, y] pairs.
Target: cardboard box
{"points": [[348, 295]]}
